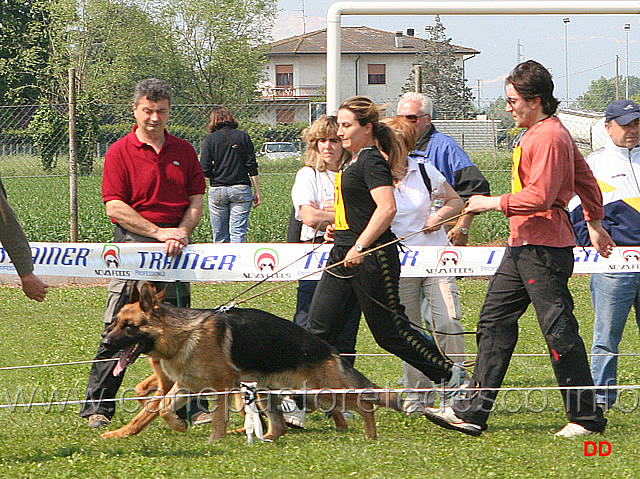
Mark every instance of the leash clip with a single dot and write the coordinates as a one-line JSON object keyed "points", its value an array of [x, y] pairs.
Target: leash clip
{"points": [[225, 308], [252, 422]]}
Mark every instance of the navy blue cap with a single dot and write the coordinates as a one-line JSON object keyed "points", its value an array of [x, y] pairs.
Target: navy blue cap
{"points": [[622, 111]]}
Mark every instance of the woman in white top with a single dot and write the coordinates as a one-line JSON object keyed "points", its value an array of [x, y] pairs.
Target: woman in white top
{"points": [[312, 195], [436, 297]]}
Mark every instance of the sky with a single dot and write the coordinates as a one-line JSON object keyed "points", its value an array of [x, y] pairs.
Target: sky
{"points": [[592, 42]]}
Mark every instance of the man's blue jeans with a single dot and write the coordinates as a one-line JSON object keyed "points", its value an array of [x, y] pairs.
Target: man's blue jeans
{"points": [[229, 208], [612, 295]]}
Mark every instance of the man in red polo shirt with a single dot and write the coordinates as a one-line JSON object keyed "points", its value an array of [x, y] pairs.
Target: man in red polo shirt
{"points": [[153, 189]]}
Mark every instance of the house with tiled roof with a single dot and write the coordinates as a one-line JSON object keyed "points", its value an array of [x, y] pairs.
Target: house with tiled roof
{"points": [[374, 63]]}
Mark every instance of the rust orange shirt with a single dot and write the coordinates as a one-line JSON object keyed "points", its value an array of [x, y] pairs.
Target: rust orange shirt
{"points": [[548, 170]]}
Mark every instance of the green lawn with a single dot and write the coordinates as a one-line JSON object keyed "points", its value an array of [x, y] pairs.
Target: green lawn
{"points": [[42, 202], [55, 442]]}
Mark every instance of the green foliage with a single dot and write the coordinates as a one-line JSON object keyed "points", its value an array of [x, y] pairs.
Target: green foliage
{"points": [[49, 220], [222, 43], [496, 111], [47, 128], [86, 135], [442, 79], [601, 92], [23, 51]]}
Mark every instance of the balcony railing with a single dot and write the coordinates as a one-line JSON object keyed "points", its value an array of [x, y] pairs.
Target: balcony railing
{"points": [[293, 91]]}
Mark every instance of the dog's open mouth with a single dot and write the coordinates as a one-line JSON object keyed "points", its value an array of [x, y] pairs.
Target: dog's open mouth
{"points": [[127, 357]]}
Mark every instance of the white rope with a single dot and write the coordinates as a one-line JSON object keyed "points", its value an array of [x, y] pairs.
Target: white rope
{"points": [[327, 391], [521, 355]]}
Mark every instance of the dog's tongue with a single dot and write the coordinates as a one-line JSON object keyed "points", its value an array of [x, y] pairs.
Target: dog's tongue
{"points": [[127, 356]]}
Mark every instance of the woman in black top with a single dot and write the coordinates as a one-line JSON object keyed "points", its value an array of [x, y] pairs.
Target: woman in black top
{"points": [[364, 208], [228, 159]]}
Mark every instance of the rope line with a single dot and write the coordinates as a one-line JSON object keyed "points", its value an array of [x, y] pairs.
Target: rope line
{"points": [[74, 363], [326, 391]]}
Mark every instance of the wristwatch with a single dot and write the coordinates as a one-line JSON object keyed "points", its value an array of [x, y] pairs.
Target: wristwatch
{"points": [[464, 231], [359, 248]]}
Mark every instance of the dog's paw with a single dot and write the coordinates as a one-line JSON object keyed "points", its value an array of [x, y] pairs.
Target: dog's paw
{"points": [[175, 422], [115, 434]]}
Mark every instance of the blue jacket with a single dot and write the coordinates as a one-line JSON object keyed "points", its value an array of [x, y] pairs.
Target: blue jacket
{"points": [[449, 159], [617, 171]]}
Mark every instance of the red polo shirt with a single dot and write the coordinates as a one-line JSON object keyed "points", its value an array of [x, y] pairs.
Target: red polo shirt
{"points": [[156, 185]]}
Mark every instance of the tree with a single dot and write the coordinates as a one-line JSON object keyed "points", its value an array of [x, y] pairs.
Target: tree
{"points": [[601, 92], [23, 50], [222, 43], [442, 78], [496, 111], [112, 44]]}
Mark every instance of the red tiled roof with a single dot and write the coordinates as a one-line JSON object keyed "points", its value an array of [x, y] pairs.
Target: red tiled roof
{"points": [[355, 40]]}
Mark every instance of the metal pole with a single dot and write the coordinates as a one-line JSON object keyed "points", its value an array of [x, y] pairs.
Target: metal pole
{"points": [[73, 165], [566, 21], [627, 27], [617, 77], [484, 7]]}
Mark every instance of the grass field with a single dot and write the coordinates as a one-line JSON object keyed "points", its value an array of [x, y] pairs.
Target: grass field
{"points": [[42, 202], [55, 443]]}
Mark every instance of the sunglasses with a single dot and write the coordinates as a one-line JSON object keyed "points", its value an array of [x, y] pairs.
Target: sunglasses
{"points": [[412, 118]]}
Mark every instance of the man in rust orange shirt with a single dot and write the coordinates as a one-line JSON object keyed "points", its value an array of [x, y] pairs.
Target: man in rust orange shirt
{"points": [[547, 170]]}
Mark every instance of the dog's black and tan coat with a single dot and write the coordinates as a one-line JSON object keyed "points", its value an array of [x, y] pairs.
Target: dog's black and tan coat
{"points": [[194, 350]]}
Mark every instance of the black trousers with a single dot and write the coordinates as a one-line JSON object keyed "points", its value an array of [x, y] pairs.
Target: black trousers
{"points": [[346, 342], [374, 285], [538, 275]]}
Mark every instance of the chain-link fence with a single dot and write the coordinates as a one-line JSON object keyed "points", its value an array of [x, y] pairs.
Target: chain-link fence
{"points": [[34, 160], [34, 139]]}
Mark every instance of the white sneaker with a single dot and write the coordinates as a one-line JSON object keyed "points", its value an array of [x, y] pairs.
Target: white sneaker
{"points": [[446, 417], [293, 415], [572, 430], [413, 406]]}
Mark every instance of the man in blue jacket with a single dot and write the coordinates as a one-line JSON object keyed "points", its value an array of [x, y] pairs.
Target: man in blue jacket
{"points": [[616, 166], [446, 155]]}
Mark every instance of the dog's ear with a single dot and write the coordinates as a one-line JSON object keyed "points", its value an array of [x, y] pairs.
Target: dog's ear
{"points": [[147, 297], [134, 294]]}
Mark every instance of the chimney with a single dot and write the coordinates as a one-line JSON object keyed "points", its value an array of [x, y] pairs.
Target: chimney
{"points": [[399, 40], [410, 32]]}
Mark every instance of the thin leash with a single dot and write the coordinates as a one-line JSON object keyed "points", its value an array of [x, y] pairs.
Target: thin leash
{"points": [[339, 263], [266, 278]]}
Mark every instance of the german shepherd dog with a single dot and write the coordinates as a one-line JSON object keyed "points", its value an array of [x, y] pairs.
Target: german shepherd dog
{"points": [[205, 350]]}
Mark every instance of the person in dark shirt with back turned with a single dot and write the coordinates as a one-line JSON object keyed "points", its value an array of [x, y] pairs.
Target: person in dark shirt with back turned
{"points": [[228, 159]]}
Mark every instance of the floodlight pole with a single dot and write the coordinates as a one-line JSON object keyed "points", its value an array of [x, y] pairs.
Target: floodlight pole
{"points": [[566, 21], [485, 7], [627, 27]]}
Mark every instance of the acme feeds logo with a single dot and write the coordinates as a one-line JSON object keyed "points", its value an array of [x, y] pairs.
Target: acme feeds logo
{"points": [[266, 258], [111, 255]]}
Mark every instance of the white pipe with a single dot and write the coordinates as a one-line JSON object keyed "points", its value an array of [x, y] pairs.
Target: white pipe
{"points": [[487, 7]]}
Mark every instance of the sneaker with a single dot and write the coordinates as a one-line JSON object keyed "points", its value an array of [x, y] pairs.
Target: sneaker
{"points": [[293, 415], [572, 430], [455, 385], [446, 417], [200, 417], [413, 406], [98, 420]]}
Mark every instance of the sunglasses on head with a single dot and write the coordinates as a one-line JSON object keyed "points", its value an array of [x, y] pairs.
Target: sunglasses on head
{"points": [[412, 118]]}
